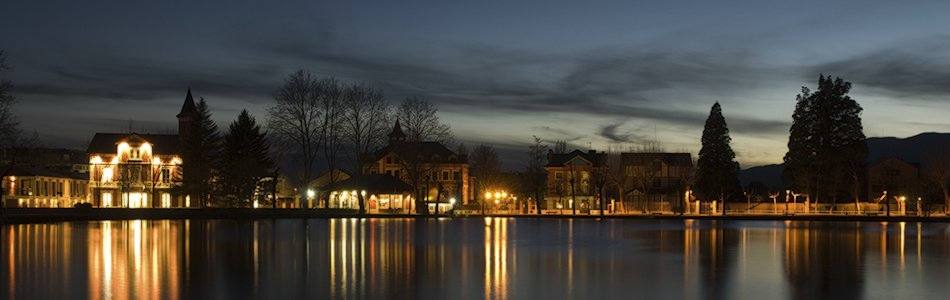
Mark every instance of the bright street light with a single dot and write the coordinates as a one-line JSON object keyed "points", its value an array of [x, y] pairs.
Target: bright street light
{"points": [[311, 193]]}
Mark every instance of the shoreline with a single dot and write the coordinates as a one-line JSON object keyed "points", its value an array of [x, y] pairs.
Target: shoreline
{"points": [[52, 215]]}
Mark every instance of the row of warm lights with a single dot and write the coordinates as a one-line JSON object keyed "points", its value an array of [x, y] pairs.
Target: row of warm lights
{"points": [[97, 160], [498, 196]]}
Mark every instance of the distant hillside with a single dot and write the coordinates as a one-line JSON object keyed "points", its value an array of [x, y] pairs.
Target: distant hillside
{"points": [[912, 149]]}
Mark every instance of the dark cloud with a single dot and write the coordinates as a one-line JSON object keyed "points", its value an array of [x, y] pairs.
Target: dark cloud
{"points": [[610, 132], [122, 77], [913, 69]]}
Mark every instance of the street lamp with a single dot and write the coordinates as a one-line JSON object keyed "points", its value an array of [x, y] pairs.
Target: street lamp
{"points": [[310, 195]]}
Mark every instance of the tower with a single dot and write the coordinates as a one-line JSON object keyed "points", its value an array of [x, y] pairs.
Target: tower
{"points": [[397, 135], [187, 115]]}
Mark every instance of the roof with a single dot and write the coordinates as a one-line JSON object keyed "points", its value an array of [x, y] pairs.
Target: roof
{"points": [[397, 132], [162, 144], [189, 106], [561, 159], [323, 180], [375, 184], [432, 152], [892, 158], [673, 159], [34, 171]]}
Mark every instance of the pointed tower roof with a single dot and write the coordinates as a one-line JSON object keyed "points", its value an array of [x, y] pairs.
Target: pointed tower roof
{"points": [[397, 133], [189, 106]]}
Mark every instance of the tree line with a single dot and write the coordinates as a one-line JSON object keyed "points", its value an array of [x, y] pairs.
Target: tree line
{"points": [[324, 122]]}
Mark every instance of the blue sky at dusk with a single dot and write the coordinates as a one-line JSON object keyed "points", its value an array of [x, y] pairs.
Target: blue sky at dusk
{"points": [[599, 73]]}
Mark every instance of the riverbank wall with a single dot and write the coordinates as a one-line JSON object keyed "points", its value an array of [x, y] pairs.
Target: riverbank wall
{"points": [[46, 215]]}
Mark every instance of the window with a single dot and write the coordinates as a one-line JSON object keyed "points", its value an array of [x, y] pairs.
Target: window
{"points": [[166, 175], [24, 190], [458, 176], [445, 175], [134, 153]]}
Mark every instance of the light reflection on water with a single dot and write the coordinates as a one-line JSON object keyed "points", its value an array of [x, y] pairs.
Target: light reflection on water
{"points": [[496, 258]]}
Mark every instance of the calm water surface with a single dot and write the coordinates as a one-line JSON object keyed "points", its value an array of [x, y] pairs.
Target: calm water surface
{"points": [[475, 259]]}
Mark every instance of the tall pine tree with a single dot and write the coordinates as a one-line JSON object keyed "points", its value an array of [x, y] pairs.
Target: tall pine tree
{"points": [[244, 162], [826, 148], [716, 168], [199, 154]]}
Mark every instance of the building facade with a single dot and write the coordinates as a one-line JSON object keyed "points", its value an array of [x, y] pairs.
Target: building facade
{"points": [[570, 179], [136, 170], [440, 174], [894, 175], [655, 181], [39, 187]]}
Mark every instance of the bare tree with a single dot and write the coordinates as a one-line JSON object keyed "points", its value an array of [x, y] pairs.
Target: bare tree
{"points": [[331, 133], [560, 147], [366, 115], [938, 170], [485, 167], [420, 120], [296, 120], [9, 125], [643, 173], [534, 171], [617, 175]]}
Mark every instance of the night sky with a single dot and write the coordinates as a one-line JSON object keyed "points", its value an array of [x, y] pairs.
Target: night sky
{"points": [[604, 73]]}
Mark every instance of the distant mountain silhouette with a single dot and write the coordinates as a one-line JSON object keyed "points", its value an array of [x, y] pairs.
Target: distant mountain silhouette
{"points": [[912, 149]]}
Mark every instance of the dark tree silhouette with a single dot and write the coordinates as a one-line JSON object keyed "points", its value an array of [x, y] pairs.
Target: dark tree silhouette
{"points": [[485, 167], [245, 160], [367, 116], [9, 125], [716, 168], [420, 120], [200, 155], [800, 165], [534, 172], [295, 122], [827, 149]]}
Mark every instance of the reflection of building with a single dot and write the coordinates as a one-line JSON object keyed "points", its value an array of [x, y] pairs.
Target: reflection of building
{"points": [[38, 187], [440, 172], [139, 170], [893, 175], [656, 178], [570, 178]]}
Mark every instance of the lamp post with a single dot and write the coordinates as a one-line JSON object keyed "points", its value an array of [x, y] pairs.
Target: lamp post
{"points": [[310, 195]]}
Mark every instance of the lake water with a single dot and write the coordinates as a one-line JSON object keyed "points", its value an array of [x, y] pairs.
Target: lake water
{"points": [[475, 259]]}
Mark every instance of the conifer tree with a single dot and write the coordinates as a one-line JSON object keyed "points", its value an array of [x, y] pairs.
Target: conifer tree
{"points": [[244, 162], [826, 149], [716, 168], [200, 154]]}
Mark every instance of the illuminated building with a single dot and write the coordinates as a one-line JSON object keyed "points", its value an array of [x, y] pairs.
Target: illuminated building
{"points": [[570, 179], [38, 187], [139, 170], [442, 174]]}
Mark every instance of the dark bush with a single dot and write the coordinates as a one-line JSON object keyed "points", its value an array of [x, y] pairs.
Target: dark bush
{"points": [[83, 205]]}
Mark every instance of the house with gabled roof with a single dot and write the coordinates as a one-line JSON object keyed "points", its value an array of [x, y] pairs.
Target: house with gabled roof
{"points": [[136, 170], [440, 175], [570, 179]]}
